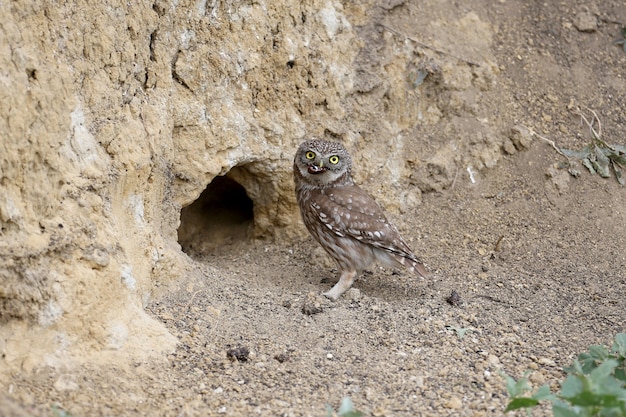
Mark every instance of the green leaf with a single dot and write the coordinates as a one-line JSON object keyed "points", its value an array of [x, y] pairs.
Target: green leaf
{"points": [[599, 389], [587, 363], [589, 399], [519, 387], [613, 412], [612, 151], [583, 153], [561, 409], [605, 369], [598, 352], [619, 344], [602, 163], [460, 331], [521, 402], [619, 160], [587, 163], [618, 173], [543, 393], [571, 387], [346, 406], [576, 368], [620, 148], [347, 409]]}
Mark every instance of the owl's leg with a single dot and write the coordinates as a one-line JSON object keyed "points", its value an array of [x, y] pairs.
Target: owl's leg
{"points": [[345, 282]]}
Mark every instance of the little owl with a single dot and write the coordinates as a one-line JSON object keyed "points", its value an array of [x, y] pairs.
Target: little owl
{"points": [[351, 227]]}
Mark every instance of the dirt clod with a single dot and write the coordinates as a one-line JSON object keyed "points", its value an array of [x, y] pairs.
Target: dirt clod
{"points": [[454, 299], [240, 354]]}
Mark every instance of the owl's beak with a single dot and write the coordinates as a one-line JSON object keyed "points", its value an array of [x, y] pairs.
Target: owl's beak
{"points": [[314, 169]]}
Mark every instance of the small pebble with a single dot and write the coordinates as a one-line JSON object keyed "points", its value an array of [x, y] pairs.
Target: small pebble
{"points": [[453, 403]]}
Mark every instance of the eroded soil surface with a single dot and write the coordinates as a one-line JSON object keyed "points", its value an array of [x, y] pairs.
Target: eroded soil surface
{"points": [[535, 256]]}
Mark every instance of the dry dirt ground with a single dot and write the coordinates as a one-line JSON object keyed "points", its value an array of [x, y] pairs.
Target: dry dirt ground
{"points": [[536, 257]]}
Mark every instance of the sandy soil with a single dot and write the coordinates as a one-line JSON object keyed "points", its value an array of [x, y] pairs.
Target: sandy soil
{"points": [[537, 258]]}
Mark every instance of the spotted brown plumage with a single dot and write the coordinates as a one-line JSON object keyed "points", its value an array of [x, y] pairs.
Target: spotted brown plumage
{"points": [[345, 220]]}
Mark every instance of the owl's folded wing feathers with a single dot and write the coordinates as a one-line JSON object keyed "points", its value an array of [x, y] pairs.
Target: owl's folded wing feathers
{"points": [[352, 212]]}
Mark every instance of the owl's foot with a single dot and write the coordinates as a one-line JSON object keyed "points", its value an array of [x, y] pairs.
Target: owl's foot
{"points": [[345, 282]]}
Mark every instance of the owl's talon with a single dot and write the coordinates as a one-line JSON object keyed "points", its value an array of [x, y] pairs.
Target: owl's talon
{"points": [[333, 295], [345, 283]]}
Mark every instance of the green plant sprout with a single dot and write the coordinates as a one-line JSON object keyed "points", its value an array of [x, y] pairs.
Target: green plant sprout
{"points": [[595, 385], [623, 40], [346, 409], [460, 331]]}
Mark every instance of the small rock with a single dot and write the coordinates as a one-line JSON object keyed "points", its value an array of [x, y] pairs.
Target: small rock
{"points": [[311, 305], [240, 354], [457, 353], [546, 362], [493, 360], [282, 357], [509, 147], [66, 383], [418, 380], [537, 378], [521, 137], [559, 178], [454, 299], [585, 21], [97, 257], [353, 294], [454, 403]]}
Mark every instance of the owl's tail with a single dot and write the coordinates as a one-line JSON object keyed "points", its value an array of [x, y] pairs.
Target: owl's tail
{"points": [[415, 266]]}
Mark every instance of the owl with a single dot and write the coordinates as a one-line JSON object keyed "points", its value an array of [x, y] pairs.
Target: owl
{"points": [[343, 218]]}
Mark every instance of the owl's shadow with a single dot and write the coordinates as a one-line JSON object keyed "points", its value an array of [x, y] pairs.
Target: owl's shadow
{"points": [[388, 285]]}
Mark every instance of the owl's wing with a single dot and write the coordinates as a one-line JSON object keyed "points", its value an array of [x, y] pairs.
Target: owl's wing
{"points": [[352, 212]]}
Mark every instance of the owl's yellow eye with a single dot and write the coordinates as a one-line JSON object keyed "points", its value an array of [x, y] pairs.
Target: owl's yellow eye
{"points": [[333, 159], [310, 155]]}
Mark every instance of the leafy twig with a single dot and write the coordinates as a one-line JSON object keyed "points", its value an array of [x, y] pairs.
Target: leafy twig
{"points": [[598, 156]]}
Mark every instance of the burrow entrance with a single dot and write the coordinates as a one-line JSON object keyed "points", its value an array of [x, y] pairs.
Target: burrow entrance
{"points": [[222, 215]]}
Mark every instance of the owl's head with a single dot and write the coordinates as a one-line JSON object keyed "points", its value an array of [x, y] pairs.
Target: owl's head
{"points": [[322, 163]]}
